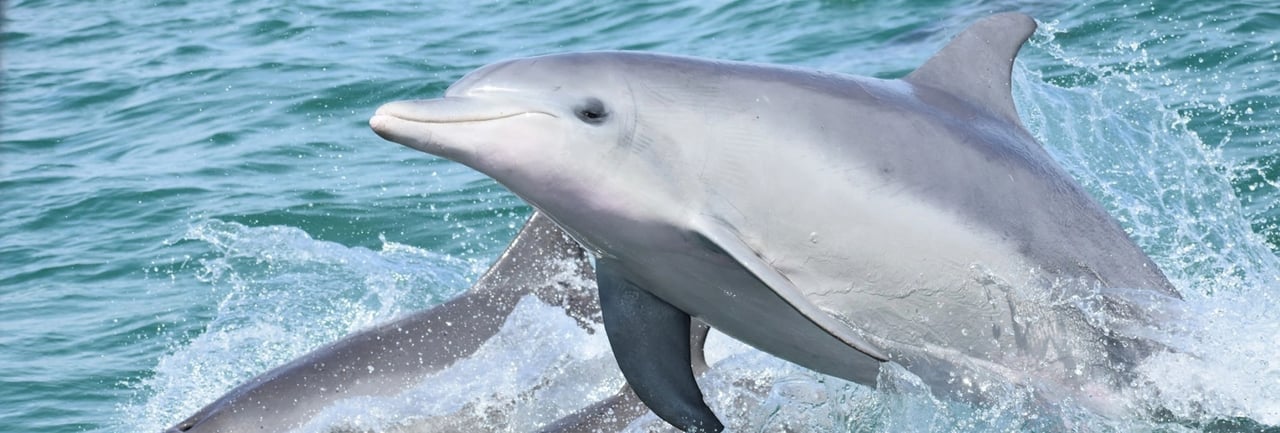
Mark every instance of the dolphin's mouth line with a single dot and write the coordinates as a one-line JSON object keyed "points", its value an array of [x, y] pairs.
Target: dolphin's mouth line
{"points": [[468, 119]]}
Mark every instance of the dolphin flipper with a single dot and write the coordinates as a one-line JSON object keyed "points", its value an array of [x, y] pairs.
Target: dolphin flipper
{"points": [[651, 342], [724, 238]]}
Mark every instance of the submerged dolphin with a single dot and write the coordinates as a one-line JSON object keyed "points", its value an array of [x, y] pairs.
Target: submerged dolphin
{"points": [[834, 221], [388, 359]]}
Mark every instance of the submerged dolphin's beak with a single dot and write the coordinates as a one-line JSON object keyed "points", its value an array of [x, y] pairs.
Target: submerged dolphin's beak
{"points": [[203, 415]]}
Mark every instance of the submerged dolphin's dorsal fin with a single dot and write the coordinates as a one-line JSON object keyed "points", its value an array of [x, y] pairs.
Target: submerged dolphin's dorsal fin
{"points": [[976, 65], [531, 257]]}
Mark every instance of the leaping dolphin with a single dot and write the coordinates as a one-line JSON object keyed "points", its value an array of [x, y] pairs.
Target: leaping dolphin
{"points": [[388, 359], [834, 221]]}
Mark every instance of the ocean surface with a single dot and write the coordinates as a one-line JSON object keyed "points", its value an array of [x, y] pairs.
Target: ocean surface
{"points": [[190, 194]]}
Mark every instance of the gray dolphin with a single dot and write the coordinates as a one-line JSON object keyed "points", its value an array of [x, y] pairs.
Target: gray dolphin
{"points": [[388, 359], [834, 221]]}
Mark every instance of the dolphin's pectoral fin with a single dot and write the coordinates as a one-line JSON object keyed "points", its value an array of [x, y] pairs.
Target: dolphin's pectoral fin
{"points": [[728, 241], [977, 64], [651, 342]]}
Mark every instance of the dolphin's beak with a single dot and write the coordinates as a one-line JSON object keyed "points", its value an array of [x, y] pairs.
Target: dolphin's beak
{"points": [[453, 110], [425, 124]]}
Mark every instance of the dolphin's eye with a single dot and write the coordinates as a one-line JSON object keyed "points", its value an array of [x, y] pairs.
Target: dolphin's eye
{"points": [[592, 111]]}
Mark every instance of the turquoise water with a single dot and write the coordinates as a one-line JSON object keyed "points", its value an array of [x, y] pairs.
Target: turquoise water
{"points": [[190, 193]]}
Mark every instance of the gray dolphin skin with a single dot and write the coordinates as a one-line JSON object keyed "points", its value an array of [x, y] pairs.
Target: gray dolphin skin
{"points": [[834, 221], [388, 359]]}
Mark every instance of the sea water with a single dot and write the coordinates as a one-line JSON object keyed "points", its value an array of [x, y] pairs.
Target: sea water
{"points": [[190, 195]]}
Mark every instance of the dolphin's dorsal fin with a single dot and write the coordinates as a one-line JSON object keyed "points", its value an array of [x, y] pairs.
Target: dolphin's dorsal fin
{"points": [[976, 65]]}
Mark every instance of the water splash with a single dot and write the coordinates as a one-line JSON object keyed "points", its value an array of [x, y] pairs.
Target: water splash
{"points": [[282, 293], [1172, 192]]}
